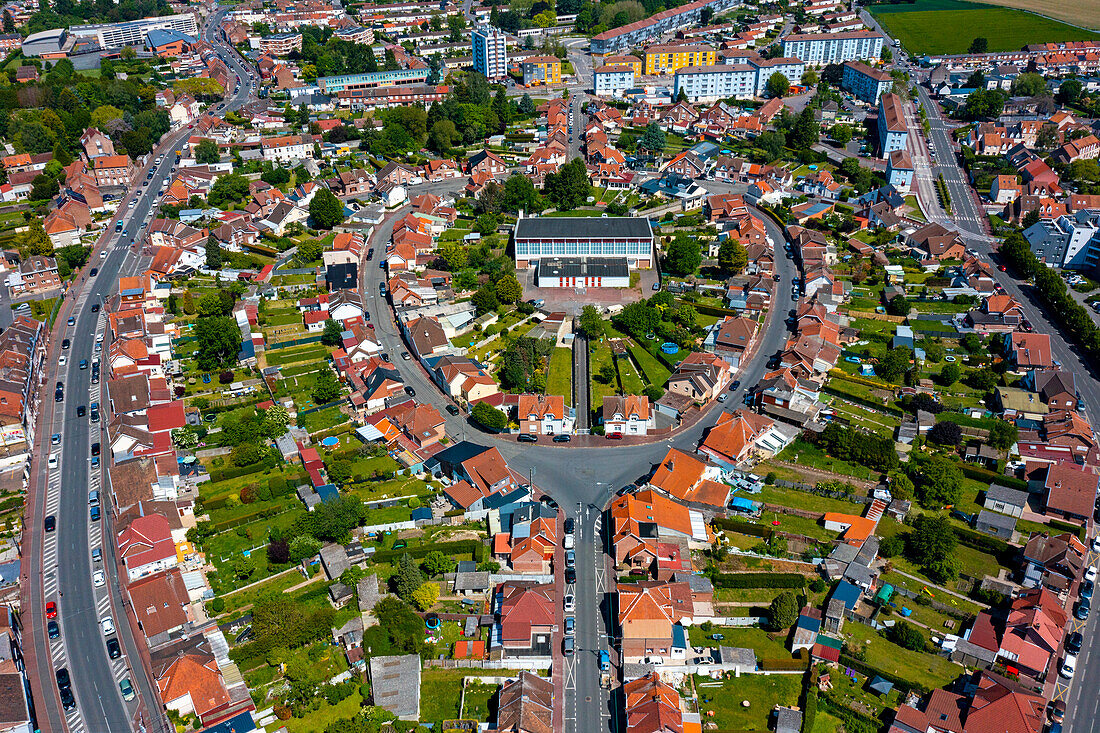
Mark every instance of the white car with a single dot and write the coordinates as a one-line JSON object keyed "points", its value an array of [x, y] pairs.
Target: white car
{"points": [[568, 543], [1090, 574], [61, 360], [98, 579], [52, 463], [1096, 543], [570, 603], [1069, 666], [108, 625]]}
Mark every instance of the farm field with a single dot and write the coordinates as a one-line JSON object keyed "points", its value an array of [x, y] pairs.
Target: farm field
{"points": [[948, 26], [1084, 13]]}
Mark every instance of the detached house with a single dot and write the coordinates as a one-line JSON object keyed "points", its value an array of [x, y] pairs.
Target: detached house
{"points": [[627, 415], [528, 615], [544, 415], [700, 376], [649, 616], [690, 480]]}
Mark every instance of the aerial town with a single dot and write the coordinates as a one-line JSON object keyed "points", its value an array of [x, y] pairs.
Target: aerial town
{"points": [[704, 367]]}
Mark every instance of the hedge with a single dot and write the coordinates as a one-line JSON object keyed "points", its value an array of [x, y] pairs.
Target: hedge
{"points": [[224, 474], [991, 477], [983, 542], [1073, 529], [732, 524], [904, 686], [809, 708], [270, 511], [783, 665], [458, 547], [759, 580]]}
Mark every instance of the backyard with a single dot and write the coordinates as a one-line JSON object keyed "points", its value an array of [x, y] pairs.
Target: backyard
{"points": [[723, 703]]}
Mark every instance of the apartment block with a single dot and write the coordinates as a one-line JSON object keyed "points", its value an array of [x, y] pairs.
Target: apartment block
{"points": [[655, 26], [865, 82], [539, 70], [490, 51], [609, 81], [743, 81], [667, 59], [892, 132], [819, 49]]}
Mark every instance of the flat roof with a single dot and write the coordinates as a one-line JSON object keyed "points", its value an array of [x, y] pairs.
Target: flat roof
{"points": [[583, 267], [583, 227]]}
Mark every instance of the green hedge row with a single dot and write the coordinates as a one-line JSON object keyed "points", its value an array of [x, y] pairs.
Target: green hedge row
{"points": [[904, 686], [991, 477], [226, 524], [223, 474], [809, 707], [831, 388], [732, 524], [983, 542], [1073, 529], [759, 580], [459, 547]]}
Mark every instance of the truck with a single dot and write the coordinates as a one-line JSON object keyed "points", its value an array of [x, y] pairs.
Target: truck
{"points": [[605, 669]]}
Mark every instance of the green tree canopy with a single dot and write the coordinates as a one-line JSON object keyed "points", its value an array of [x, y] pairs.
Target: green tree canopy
{"points": [[326, 210]]}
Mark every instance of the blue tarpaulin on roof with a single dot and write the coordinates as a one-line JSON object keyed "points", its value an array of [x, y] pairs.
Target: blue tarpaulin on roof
{"points": [[742, 504]]}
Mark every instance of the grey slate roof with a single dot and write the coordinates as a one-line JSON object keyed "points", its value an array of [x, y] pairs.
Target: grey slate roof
{"points": [[568, 227]]}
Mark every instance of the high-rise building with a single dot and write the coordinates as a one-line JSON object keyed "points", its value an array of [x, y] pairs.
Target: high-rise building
{"points": [[490, 52]]}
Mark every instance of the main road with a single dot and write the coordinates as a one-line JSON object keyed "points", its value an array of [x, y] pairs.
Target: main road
{"points": [[60, 565], [582, 478]]}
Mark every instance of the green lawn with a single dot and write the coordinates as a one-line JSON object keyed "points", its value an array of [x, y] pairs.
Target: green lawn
{"points": [[441, 693], [655, 372], [559, 377], [476, 701], [762, 691], [600, 355], [949, 26], [766, 645], [632, 383], [929, 670], [805, 454], [796, 499], [293, 354]]}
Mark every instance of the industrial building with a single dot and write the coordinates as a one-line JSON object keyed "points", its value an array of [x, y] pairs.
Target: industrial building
{"points": [[581, 272], [135, 32]]}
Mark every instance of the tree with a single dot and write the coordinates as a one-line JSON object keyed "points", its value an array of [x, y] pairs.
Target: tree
{"points": [[809, 78], [1002, 434], [938, 480], [527, 106], [211, 305], [841, 133], [339, 472], [309, 251], [732, 256], [436, 563], [684, 255], [407, 578], [1028, 85], [213, 253], [276, 176], [907, 636], [332, 335], [325, 387], [519, 194], [777, 86], [508, 289], [228, 189], [568, 188], [276, 421], [978, 45], [219, 341], [833, 74], [950, 374], [278, 552], [1070, 91], [44, 187], [325, 209], [426, 595], [485, 300], [901, 487], [805, 132], [894, 363], [489, 417], [945, 432], [783, 611], [206, 152], [932, 539], [653, 139], [442, 136], [972, 342], [592, 324], [607, 373], [984, 103]]}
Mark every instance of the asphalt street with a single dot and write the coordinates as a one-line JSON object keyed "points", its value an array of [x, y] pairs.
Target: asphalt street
{"points": [[581, 479], [62, 559]]}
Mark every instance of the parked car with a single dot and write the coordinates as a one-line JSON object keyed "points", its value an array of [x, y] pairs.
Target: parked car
{"points": [[568, 646], [114, 650], [570, 603], [126, 689], [527, 438], [1086, 589], [1081, 609], [570, 525], [53, 629], [1073, 642], [452, 409], [570, 625], [108, 626], [570, 575], [614, 436], [51, 610], [570, 559], [51, 523], [562, 438], [1069, 666]]}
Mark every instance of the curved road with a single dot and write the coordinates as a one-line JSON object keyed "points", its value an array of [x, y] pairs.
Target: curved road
{"points": [[581, 479], [59, 563]]}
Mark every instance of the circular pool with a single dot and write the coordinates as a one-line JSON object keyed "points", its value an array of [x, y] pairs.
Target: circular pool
{"points": [[330, 441]]}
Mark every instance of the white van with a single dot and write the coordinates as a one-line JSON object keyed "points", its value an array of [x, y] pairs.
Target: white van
{"points": [[614, 310]]}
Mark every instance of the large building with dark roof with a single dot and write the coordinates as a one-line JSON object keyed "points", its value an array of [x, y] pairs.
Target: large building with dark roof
{"points": [[582, 272], [623, 238]]}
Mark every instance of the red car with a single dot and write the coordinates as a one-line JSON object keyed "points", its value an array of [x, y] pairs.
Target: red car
{"points": [[614, 436], [1002, 268], [51, 610]]}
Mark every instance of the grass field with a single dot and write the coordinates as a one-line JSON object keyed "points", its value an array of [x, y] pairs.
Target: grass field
{"points": [[1083, 12], [559, 378], [948, 26], [763, 693]]}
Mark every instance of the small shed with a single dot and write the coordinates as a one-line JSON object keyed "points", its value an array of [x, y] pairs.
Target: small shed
{"points": [[885, 593], [879, 686], [993, 523]]}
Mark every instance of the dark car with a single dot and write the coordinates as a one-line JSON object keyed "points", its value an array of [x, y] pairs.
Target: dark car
{"points": [[563, 438], [452, 409], [410, 391], [93, 512], [1086, 590], [568, 646], [1081, 609], [72, 321], [66, 343], [94, 272], [83, 363], [114, 651], [527, 438], [59, 393], [1073, 642], [53, 629], [67, 700], [95, 414], [63, 680], [570, 525], [95, 449], [570, 575], [95, 307], [81, 410], [735, 384], [51, 523]]}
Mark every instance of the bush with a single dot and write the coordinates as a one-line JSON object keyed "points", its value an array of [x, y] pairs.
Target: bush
{"points": [[489, 417], [906, 635], [759, 580], [217, 605]]}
